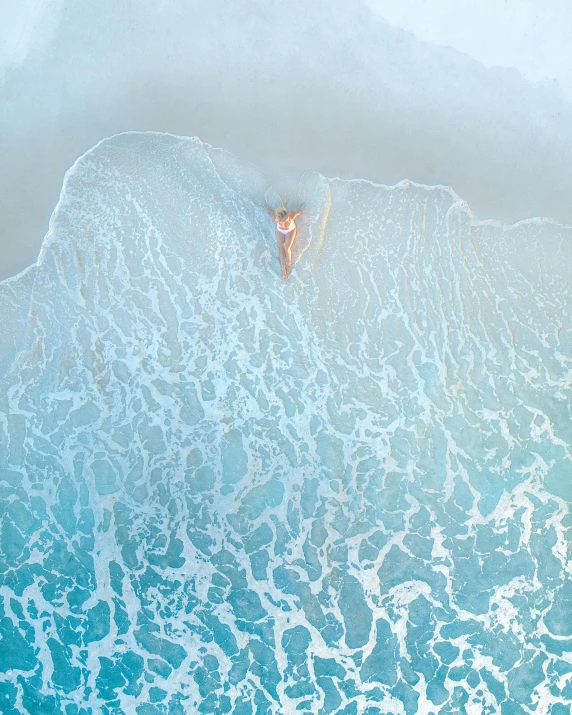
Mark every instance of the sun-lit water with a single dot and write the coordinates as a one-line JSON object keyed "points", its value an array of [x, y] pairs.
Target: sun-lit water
{"points": [[223, 493]]}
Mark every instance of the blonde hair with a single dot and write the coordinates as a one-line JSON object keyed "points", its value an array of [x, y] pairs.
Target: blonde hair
{"points": [[281, 214]]}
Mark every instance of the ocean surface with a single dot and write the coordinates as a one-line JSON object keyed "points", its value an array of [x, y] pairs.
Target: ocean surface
{"points": [[223, 493]]}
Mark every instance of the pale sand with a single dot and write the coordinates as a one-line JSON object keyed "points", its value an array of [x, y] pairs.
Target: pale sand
{"points": [[330, 88]]}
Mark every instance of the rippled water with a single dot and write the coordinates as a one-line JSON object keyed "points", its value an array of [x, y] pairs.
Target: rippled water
{"points": [[222, 493]]}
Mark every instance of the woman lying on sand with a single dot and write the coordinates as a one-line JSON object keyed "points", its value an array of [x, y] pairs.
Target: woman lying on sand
{"points": [[285, 235]]}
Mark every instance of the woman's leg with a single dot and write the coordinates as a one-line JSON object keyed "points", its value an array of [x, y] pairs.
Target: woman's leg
{"points": [[280, 241], [288, 242]]}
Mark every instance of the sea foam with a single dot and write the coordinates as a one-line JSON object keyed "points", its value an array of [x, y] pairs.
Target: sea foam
{"points": [[221, 492]]}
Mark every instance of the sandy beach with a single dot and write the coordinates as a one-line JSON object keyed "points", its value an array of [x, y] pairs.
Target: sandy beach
{"points": [[332, 88]]}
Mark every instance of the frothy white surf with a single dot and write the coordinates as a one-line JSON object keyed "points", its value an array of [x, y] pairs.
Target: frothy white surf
{"points": [[345, 493]]}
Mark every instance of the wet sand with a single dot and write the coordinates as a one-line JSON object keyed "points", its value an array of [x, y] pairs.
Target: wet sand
{"points": [[330, 88]]}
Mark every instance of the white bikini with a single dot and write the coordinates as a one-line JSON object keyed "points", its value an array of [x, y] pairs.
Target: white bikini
{"points": [[284, 231]]}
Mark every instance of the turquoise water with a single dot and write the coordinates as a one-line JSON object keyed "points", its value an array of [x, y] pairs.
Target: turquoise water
{"points": [[222, 493]]}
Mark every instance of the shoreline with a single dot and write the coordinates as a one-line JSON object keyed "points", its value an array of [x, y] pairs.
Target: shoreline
{"points": [[459, 202], [384, 108]]}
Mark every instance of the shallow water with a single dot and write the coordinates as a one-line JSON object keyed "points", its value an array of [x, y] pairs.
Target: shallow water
{"points": [[224, 493]]}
